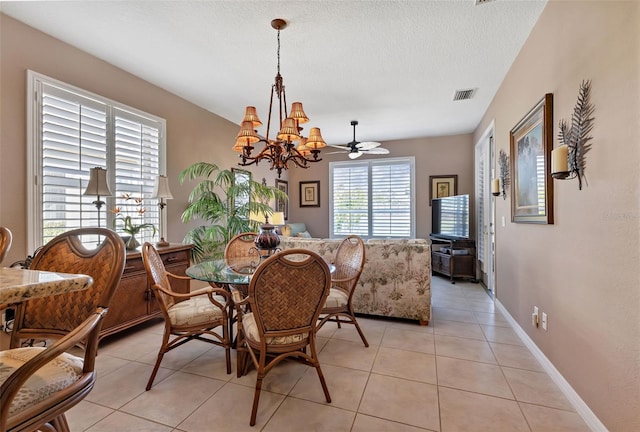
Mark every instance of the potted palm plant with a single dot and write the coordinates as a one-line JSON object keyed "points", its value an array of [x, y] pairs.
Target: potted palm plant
{"points": [[224, 205]]}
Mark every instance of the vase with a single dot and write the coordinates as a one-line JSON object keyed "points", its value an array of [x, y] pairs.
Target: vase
{"points": [[132, 243]]}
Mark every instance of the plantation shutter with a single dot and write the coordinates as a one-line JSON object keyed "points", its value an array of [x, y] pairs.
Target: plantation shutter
{"points": [[372, 198], [391, 193], [72, 131], [137, 142], [74, 140], [350, 192]]}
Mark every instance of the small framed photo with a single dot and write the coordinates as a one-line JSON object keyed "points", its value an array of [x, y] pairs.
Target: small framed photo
{"points": [[441, 186], [282, 204], [310, 193], [531, 142]]}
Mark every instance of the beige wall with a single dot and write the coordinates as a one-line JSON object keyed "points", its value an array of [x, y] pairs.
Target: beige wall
{"points": [[583, 270], [193, 134], [433, 156]]}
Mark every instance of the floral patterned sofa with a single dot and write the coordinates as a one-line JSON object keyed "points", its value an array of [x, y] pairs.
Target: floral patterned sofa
{"points": [[395, 281]]}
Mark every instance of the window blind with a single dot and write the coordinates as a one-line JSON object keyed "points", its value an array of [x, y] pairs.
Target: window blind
{"points": [[74, 131], [372, 198]]}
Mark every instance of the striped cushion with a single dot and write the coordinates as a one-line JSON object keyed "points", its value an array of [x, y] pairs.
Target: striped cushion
{"points": [[336, 298], [251, 332], [56, 375], [196, 310]]}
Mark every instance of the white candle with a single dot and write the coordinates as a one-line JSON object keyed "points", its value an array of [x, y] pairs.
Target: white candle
{"points": [[495, 186], [560, 159]]}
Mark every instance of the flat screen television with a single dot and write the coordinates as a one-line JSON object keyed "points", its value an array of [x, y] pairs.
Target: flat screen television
{"points": [[450, 217]]}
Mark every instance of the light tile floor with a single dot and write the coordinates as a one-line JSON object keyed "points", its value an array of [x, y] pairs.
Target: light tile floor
{"points": [[466, 371]]}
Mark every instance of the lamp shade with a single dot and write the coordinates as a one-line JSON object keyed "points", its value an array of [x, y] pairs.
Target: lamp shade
{"points": [[298, 113], [161, 188], [289, 130], [251, 115], [97, 183], [277, 218], [315, 140], [258, 217]]}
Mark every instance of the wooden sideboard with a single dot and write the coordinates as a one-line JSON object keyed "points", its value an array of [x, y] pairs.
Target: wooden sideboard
{"points": [[134, 302], [449, 262]]}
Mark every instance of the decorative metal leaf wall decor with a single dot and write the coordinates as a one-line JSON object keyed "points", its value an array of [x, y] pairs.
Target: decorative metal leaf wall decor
{"points": [[503, 161], [578, 137]]}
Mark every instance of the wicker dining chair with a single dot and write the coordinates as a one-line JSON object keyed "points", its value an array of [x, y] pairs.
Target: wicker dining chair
{"points": [[53, 317], [187, 316], [286, 295], [5, 242], [241, 253], [38, 385], [349, 262]]}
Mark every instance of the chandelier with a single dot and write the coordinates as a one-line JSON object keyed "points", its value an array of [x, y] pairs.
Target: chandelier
{"points": [[282, 151]]}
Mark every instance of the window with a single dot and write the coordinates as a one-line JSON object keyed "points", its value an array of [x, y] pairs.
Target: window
{"points": [[372, 198], [72, 131]]}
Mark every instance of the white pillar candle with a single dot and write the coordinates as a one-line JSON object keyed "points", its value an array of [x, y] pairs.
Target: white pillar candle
{"points": [[495, 186], [560, 159]]}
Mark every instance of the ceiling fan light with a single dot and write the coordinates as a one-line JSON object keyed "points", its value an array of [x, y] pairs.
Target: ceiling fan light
{"points": [[251, 115], [315, 140], [298, 113], [289, 130]]}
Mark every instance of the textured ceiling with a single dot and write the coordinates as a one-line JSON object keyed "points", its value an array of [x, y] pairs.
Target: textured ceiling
{"points": [[392, 65]]}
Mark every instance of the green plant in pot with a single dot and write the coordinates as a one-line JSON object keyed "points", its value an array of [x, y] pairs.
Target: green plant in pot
{"points": [[225, 204]]}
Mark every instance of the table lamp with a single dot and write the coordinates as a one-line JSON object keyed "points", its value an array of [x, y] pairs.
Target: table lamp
{"points": [[161, 191], [266, 240], [277, 219], [98, 186]]}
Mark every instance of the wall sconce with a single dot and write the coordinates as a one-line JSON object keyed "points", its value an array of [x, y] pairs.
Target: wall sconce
{"points": [[98, 186], [500, 185], [567, 160], [161, 192]]}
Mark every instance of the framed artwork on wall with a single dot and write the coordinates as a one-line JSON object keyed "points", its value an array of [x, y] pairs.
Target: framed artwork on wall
{"points": [[282, 205], [441, 186], [310, 193], [531, 143]]}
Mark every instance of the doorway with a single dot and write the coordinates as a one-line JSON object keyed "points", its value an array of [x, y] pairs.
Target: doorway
{"points": [[485, 208]]}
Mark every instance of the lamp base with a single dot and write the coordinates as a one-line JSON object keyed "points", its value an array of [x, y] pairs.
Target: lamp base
{"points": [[162, 242]]}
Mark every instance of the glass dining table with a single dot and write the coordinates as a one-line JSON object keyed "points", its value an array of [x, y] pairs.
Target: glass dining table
{"points": [[220, 273]]}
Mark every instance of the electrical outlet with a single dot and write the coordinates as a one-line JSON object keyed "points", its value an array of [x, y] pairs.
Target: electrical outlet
{"points": [[544, 320], [534, 317]]}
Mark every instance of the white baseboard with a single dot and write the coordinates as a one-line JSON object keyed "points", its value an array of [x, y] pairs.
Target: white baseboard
{"points": [[580, 406]]}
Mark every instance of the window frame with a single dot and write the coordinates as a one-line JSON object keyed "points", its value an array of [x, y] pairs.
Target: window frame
{"points": [[410, 160], [35, 83]]}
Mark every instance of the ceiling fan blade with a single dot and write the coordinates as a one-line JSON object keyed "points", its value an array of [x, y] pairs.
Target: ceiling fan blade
{"points": [[366, 145], [355, 155], [378, 150], [342, 147], [335, 152]]}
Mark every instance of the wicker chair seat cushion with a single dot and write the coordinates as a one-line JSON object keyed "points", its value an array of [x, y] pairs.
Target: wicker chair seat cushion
{"points": [[251, 332], [337, 298], [196, 310], [58, 374]]}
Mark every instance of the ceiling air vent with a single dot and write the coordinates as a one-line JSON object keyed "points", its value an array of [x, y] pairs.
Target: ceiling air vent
{"points": [[481, 2], [464, 94]]}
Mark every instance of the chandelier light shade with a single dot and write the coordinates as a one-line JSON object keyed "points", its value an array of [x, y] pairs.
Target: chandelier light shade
{"points": [[280, 152], [98, 187]]}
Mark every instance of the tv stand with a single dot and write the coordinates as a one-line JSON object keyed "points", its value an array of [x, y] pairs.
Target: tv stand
{"points": [[454, 257]]}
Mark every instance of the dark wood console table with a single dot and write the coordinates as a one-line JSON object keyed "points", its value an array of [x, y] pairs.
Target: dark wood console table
{"points": [[133, 302], [454, 258]]}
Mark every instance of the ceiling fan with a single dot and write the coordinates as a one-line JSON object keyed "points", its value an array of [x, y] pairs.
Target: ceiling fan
{"points": [[355, 149]]}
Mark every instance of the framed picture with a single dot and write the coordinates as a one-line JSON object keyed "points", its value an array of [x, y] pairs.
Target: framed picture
{"points": [[442, 186], [531, 143], [310, 194], [282, 204]]}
